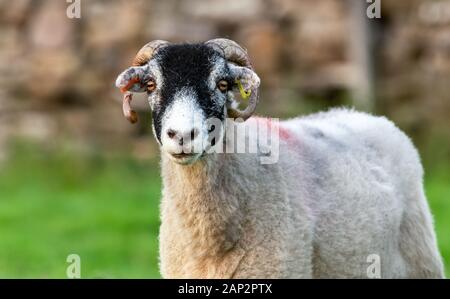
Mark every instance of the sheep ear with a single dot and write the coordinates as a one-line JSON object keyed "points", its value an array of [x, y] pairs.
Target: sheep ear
{"points": [[133, 79], [248, 79]]}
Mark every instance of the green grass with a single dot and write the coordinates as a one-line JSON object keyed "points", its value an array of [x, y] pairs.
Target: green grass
{"points": [[437, 186], [105, 210]]}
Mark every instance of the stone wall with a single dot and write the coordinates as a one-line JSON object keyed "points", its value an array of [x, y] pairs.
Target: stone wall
{"points": [[57, 74]]}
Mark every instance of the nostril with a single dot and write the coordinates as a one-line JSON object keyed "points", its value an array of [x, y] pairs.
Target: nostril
{"points": [[182, 138], [171, 133], [194, 134]]}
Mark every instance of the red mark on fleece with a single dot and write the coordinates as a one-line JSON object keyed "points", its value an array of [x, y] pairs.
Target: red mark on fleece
{"points": [[284, 134]]}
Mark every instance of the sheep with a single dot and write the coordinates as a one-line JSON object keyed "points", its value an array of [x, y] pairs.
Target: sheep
{"points": [[346, 186]]}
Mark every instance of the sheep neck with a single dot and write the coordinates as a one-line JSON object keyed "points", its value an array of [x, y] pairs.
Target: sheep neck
{"points": [[208, 211]]}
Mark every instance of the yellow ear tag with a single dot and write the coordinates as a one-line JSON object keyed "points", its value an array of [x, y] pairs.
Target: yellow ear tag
{"points": [[244, 94]]}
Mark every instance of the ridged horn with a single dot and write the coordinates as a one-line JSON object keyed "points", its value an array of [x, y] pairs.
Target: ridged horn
{"points": [[234, 53], [142, 57], [148, 51]]}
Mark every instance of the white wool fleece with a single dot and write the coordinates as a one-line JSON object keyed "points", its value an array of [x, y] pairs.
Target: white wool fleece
{"points": [[347, 185]]}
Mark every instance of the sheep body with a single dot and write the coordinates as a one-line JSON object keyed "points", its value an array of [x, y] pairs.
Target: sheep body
{"points": [[347, 185]]}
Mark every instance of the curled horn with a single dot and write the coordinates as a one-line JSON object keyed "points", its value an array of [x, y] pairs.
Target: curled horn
{"points": [[146, 52], [142, 57], [238, 55]]}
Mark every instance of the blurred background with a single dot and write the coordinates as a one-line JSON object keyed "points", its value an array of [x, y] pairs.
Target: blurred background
{"points": [[76, 177]]}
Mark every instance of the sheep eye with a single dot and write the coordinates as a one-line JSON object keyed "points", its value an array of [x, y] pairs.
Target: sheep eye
{"points": [[222, 85], [151, 85]]}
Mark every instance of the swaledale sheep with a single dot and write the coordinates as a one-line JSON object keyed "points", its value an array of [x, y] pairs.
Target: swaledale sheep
{"points": [[347, 186]]}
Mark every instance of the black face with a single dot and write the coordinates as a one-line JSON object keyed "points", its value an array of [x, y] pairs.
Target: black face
{"points": [[196, 67], [189, 90]]}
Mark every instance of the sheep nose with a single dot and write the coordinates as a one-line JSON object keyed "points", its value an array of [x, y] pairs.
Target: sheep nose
{"points": [[182, 136]]}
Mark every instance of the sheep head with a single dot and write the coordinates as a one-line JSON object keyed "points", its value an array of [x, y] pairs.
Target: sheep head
{"points": [[187, 81]]}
